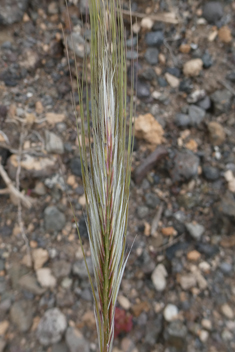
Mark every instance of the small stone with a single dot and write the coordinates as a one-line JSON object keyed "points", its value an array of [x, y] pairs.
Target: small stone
{"points": [[193, 67], [40, 189], [216, 133], [75, 341], [78, 44], [169, 231], [170, 312], [54, 143], [227, 311], [162, 82], [147, 128], [211, 173], [204, 103], [159, 277], [152, 200], [51, 327], [172, 80], [193, 255], [143, 89], [191, 145], [182, 120], [226, 268], [212, 11], [175, 334], [45, 277], [61, 268], [155, 39], [29, 283], [185, 48], [196, 115], [40, 257], [203, 335], [22, 315], [146, 23], [206, 324], [53, 118], [195, 230], [222, 100], [54, 220], [188, 281], [207, 60], [185, 166], [39, 107], [231, 76], [186, 86], [4, 325], [227, 335], [124, 302], [151, 56], [131, 55], [79, 268], [53, 8], [2, 344], [127, 345], [225, 35], [60, 347]]}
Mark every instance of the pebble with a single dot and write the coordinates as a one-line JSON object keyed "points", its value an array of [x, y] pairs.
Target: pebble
{"points": [[195, 230], [146, 23], [60, 347], [54, 219], [159, 277], [40, 189], [211, 173], [172, 80], [170, 312], [193, 255], [208, 249], [222, 100], [29, 283], [193, 67], [22, 315], [131, 55], [75, 341], [188, 281], [54, 143], [204, 103], [79, 268], [154, 38], [77, 44], [162, 82], [12, 11], [231, 76], [152, 200], [207, 60], [196, 115], [216, 133], [51, 327], [227, 311], [185, 166], [226, 267], [151, 56], [186, 86], [40, 257], [4, 325], [175, 334], [124, 302], [148, 129], [203, 335], [45, 277], [212, 11], [61, 268], [225, 35], [227, 335], [206, 324], [143, 89]]}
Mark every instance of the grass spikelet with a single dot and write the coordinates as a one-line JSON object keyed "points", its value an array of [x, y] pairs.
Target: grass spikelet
{"points": [[106, 161]]}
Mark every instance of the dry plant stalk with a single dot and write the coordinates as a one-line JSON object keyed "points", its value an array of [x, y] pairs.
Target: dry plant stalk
{"points": [[106, 161]]}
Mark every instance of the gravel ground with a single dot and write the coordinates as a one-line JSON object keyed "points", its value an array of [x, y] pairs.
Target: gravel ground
{"points": [[178, 290]]}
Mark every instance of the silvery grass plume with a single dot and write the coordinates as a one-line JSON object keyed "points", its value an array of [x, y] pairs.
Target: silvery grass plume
{"points": [[106, 160]]}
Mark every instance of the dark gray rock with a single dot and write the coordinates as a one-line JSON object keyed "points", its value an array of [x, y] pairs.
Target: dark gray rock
{"points": [[185, 166], [5, 305], [196, 115], [212, 11], [76, 166], [79, 268], [51, 327], [75, 341], [204, 103], [54, 220], [151, 56], [208, 249], [186, 86], [195, 230], [132, 42], [162, 82], [22, 315], [2, 285], [152, 200], [226, 268], [60, 347], [211, 173], [174, 71], [84, 7], [207, 60], [182, 120], [29, 283], [12, 11], [149, 74], [231, 76], [142, 89], [154, 38], [175, 334], [226, 206], [222, 100]]}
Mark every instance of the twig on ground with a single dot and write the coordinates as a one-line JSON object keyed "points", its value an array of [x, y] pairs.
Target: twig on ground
{"points": [[13, 190], [156, 220], [169, 244]]}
